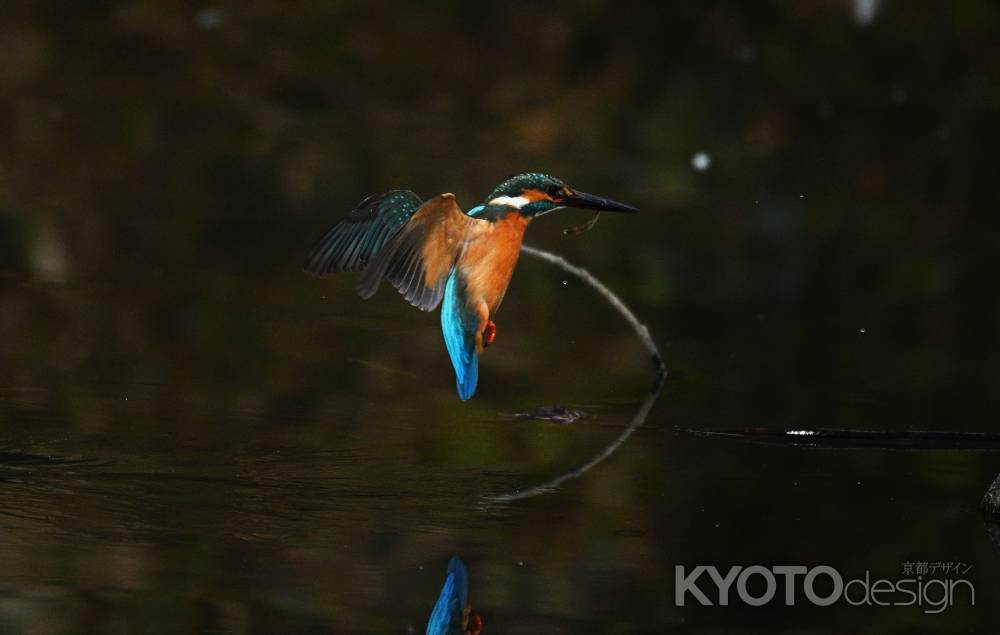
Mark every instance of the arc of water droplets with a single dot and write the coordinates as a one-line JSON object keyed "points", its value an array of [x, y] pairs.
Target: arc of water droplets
{"points": [[647, 404]]}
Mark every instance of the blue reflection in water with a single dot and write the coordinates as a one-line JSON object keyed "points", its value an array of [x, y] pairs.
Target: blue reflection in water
{"points": [[452, 614]]}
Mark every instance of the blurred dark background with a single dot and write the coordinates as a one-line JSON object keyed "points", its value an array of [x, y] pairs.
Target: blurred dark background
{"points": [[817, 247]]}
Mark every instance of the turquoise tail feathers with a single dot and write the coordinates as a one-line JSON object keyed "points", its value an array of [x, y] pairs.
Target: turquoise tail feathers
{"points": [[459, 329]]}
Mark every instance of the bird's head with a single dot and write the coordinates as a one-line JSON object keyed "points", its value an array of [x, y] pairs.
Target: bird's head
{"points": [[534, 194]]}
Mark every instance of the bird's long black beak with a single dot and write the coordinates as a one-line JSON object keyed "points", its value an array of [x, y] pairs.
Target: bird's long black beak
{"points": [[582, 200]]}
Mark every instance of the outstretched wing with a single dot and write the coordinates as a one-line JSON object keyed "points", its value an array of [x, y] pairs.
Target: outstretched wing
{"points": [[353, 242], [418, 259]]}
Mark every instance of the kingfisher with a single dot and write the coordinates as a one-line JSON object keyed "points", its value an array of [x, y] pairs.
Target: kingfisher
{"points": [[452, 614], [436, 254]]}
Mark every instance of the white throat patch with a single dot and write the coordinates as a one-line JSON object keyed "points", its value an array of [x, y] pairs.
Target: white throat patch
{"points": [[516, 202]]}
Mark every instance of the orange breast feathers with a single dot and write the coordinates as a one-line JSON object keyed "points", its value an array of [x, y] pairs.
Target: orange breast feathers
{"points": [[487, 263]]}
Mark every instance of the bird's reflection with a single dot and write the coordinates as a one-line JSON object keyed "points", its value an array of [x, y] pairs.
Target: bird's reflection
{"points": [[452, 614]]}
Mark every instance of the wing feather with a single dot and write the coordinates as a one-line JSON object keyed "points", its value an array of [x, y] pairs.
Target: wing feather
{"points": [[418, 259], [352, 243]]}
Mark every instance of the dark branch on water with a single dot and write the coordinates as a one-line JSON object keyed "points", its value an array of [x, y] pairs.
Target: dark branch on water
{"points": [[846, 439]]}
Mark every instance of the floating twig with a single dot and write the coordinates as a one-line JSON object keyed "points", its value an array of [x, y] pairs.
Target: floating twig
{"points": [[857, 439]]}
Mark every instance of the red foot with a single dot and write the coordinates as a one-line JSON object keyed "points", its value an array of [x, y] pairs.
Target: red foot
{"points": [[475, 624], [489, 334]]}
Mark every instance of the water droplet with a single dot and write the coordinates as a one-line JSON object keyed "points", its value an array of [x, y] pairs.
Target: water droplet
{"points": [[899, 96], [862, 330], [520, 563], [802, 195], [865, 11], [745, 54], [701, 161], [210, 18], [565, 282]]}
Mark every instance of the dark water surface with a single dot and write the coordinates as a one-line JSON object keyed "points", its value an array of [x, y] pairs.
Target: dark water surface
{"points": [[196, 437]]}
